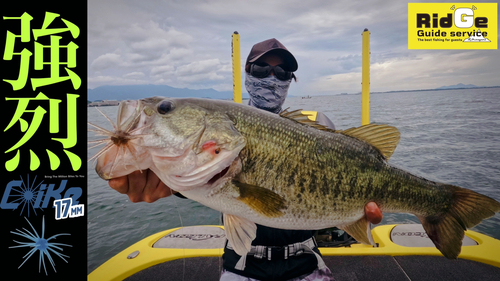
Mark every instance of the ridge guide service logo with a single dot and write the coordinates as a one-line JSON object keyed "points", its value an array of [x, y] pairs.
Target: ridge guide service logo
{"points": [[452, 26]]}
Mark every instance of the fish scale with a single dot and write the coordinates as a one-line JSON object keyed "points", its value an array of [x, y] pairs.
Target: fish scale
{"points": [[329, 179]]}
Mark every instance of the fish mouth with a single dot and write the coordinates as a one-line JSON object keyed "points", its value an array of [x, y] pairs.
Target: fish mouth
{"points": [[218, 176], [184, 183]]}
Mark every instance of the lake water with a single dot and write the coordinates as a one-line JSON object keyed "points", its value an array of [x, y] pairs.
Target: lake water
{"points": [[448, 136]]}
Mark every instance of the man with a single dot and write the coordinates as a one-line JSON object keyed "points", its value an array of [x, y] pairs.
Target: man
{"points": [[269, 71]]}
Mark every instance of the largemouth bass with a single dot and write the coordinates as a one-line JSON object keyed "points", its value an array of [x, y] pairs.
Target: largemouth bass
{"points": [[282, 171]]}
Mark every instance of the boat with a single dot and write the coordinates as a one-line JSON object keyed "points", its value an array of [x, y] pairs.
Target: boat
{"points": [[306, 97], [403, 252]]}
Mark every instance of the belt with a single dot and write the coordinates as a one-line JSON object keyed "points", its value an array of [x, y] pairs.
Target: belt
{"points": [[280, 252]]}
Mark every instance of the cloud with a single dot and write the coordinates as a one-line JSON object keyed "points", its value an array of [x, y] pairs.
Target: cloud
{"points": [[201, 71], [134, 75], [198, 67], [410, 72], [148, 41], [157, 70], [142, 47], [102, 79], [188, 44], [337, 83], [196, 73], [106, 61], [201, 77], [113, 80]]}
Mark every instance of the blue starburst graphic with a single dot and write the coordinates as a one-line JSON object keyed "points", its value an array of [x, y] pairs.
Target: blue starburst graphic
{"points": [[40, 244], [27, 195]]}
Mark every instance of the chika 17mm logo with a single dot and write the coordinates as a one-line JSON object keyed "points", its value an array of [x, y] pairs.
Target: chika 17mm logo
{"points": [[452, 26]]}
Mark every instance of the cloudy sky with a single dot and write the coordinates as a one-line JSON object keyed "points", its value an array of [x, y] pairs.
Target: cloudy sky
{"points": [[184, 43]]}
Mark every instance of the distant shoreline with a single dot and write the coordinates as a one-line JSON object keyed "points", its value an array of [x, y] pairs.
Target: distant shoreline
{"points": [[403, 91], [436, 89]]}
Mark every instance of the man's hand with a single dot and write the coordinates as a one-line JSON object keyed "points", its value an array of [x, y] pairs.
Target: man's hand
{"points": [[145, 186], [373, 213]]}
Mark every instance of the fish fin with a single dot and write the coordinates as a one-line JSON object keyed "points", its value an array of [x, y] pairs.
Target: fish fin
{"points": [[240, 232], [467, 210], [360, 231], [385, 138], [302, 118], [260, 199]]}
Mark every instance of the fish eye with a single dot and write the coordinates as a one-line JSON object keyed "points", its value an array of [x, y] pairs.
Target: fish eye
{"points": [[165, 106]]}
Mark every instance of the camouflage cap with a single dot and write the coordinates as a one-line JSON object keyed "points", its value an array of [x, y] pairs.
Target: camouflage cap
{"points": [[264, 47]]}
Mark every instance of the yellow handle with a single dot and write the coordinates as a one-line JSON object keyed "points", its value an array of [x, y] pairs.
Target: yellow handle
{"points": [[236, 68], [365, 87]]}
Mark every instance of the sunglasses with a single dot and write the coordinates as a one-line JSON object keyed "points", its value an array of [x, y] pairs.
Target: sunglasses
{"points": [[262, 70]]}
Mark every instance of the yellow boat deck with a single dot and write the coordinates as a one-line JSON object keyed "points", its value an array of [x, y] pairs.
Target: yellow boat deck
{"points": [[194, 253]]}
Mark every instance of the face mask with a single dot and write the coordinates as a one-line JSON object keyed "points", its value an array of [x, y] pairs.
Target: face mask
{"points": [[266, 93]]}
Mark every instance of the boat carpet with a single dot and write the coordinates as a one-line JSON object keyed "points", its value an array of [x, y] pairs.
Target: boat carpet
{"points": [[348, 268]]}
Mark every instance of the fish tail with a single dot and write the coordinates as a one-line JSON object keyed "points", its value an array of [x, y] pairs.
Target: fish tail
{"points": [[468, 208]]}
